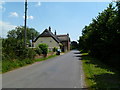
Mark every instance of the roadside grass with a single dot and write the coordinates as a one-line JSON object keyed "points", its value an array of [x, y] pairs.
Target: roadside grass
{"points": [[8, 65], [42, 59], [0, 66], [99, 76]]}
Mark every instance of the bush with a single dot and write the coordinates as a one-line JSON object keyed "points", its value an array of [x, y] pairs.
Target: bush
{"points": [[26, 53], [31, 53], [38, 50], [101, 37], [44, 48], [28, 61], [54, 49]]}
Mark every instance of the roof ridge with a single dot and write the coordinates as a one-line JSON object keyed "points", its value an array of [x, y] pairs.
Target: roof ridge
{"points": [[62, 34], [54, 36], [49, 34]]}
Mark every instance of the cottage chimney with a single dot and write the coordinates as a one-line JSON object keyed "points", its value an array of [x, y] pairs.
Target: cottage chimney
{"points": [[67, 34], [55, 32], [49, 28]]}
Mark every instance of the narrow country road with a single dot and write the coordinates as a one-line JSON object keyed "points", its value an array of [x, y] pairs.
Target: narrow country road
{"points": [[64, 71]]}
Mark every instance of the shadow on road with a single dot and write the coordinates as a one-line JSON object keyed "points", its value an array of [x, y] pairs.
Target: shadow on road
{"points": [[79, 55], [76, 52], [103, 80]]}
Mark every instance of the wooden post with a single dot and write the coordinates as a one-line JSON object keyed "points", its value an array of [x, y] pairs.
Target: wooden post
{"points": [[25, 30]]}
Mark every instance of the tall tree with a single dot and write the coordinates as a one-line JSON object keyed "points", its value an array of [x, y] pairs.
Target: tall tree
{"points": [[101, 37], [18, 33], [13, 46]]}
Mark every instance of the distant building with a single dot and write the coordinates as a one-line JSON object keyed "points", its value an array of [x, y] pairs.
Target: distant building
{"points": [[53, 40]]}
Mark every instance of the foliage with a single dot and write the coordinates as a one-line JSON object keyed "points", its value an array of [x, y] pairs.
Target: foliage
{"points": [[29, 53], [74, 45], [14, 50], [101, 37], [18, 33], [13, 46], [0, 55], [8, 65], [55, 49], [44, 48], [98, 75], [38, 51]]}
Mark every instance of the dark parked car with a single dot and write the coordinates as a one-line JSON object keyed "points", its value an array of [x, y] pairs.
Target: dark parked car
{"points": [[58, 52]]}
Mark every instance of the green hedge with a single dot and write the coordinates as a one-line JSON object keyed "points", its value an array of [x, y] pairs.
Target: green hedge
{"points": [[8, 65]]}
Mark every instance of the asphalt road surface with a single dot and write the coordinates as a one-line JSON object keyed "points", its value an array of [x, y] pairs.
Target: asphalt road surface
{"points": [[64, 71]]}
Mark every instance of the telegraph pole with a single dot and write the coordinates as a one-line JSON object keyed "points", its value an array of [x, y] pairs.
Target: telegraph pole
{"points": [[25, 29]]}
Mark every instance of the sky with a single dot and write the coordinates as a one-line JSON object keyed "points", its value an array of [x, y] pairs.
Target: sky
{"points": [[64, 17]]}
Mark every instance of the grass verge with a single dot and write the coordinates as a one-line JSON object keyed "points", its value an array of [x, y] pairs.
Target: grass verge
{"points": [[11, 65], [42, 59], [99, 75]]}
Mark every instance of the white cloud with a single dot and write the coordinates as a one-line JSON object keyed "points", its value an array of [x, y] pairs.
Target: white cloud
{"points": [[38, 4], [1, 6], [29, 17], [2, 2], [4, 28], [14, 14]]}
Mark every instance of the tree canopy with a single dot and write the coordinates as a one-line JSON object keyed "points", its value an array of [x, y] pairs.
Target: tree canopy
{"points": [[101, 37], [18, 33], [13, 45], [74, 45]]}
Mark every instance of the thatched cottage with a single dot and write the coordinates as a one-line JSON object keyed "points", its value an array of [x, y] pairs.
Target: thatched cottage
{"points": [[53, 40]]}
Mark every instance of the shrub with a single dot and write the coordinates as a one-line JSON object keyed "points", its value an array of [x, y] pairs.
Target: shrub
{"points": [[26, 53], [31, 53], [38, 50], [28, 61], [54, 49], [44, 48]]}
